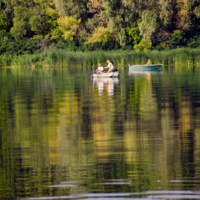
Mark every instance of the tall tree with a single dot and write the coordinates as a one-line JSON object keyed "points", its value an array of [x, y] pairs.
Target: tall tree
{"points": [[75, 8], [34, 17]]}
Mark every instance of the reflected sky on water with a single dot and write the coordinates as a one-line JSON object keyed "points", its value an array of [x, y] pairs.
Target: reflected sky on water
{"points": [[64, 135]]}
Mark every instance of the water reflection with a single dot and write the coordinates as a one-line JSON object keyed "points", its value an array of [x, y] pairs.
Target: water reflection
{"points": [[107, 83], [64, 136], [135, 195], [144, 72]]}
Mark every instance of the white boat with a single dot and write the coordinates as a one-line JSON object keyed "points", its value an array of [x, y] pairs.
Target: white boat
{"points": [[106, 75]]}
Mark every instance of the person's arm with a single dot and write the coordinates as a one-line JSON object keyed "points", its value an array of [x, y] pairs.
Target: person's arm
{"points": [[108, 66]]}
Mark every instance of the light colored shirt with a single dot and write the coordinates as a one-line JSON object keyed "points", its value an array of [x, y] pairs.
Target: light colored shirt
{"points": [[110, 65], [100, 68]]}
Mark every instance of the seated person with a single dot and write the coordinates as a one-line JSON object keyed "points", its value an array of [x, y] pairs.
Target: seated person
{"points": [[149, 62], [100, 69], [110, 66]]}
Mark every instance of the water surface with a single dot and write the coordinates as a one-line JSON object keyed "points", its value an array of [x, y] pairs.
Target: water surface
{"points": [[66, 136]]}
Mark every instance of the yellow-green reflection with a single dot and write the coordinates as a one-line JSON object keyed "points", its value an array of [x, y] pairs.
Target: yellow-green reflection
{"points": [[57, 127]]}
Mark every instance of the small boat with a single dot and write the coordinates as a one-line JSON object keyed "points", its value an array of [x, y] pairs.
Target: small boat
{"points": [[145, 67], [106, 75]]}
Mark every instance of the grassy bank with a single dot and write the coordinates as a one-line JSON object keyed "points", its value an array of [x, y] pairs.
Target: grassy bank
{"points": [[59, 58]]}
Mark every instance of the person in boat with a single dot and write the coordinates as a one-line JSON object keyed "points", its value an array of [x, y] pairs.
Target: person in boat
{"points": [[149, 62], [100, 69], [110, 66]]}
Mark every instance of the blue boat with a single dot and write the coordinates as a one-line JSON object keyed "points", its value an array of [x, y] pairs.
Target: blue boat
{"points": [[145, 67]]}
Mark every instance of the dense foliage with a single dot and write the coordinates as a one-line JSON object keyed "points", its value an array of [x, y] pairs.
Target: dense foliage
{"points": [[29, 26], [54, 57]]}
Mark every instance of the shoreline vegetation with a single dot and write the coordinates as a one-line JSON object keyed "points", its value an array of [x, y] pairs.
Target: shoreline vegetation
{"points": [[64, 58], [46, 33]]}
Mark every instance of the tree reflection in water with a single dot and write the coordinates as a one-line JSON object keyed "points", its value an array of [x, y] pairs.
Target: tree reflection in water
{"points": [[62, 134]]}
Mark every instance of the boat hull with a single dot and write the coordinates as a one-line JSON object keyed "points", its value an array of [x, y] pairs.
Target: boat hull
{"points": [[145, 67], [106, 75]]}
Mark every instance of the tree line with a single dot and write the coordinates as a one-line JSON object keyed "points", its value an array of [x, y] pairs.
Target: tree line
{"points": [[142, 25]]}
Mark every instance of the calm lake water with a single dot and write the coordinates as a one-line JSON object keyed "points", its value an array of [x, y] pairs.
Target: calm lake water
{"points": [[66, 136]]}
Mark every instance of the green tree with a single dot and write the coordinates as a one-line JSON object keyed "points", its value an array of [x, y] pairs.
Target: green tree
{"points": [[68, 26], [143, 46], [75, 8], [133, 32], [34, 17], [22, 13], [100, 34], [44, 21], [175, 38], [3, 22], [148, 25]]}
